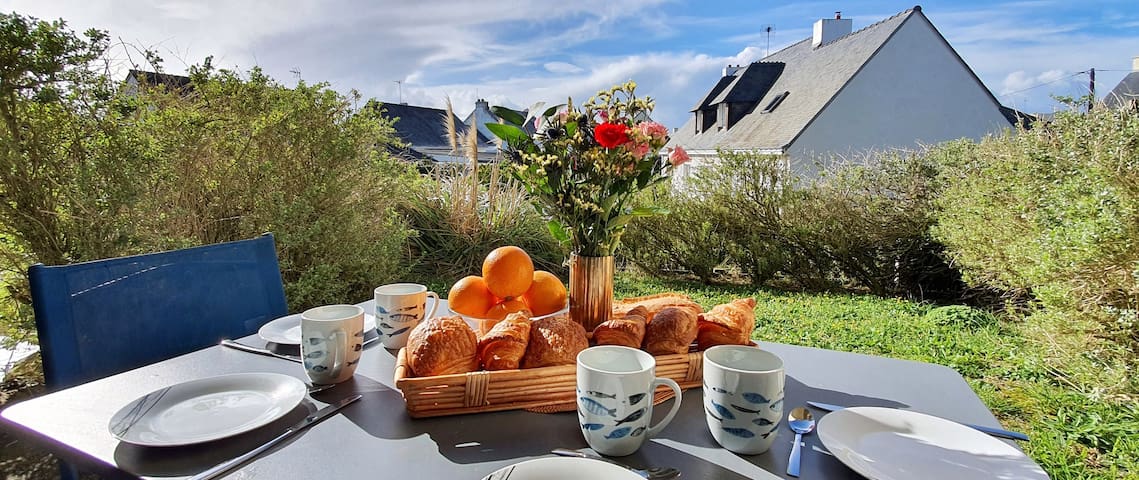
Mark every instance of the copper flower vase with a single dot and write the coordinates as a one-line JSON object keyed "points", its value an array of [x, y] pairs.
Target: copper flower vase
{"points": [[590, 289]]}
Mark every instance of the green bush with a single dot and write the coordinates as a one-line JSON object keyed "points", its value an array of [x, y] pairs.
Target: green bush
{"points": [[859, 224], [90, 170], [1053, 211], [685, 238], [459, 220]]}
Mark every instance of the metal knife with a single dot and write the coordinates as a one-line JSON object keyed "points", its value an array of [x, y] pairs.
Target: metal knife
{"points": [[260, 351], [293, 430], [996, 432]]}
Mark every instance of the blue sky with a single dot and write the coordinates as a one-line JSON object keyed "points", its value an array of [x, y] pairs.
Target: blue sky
{"points": [[516, 52]]}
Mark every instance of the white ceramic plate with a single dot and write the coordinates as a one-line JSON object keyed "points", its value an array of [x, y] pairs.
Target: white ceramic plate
{"points": [[563, 468], [206, 409], [287, 330], [889, 444]]}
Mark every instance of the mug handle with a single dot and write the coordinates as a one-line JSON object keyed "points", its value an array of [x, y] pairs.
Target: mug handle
{"points": [[655, 429], [434, 306]]}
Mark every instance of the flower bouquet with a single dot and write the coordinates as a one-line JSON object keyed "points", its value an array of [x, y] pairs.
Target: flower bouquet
{"points": [[583, 166]]}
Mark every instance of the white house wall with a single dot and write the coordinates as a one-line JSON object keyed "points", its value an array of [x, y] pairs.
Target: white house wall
{"points": [[914, 91]]}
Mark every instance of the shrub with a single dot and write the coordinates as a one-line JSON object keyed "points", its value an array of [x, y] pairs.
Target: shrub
{"points": [[1054, 211], [685, 238], [460, 220]]}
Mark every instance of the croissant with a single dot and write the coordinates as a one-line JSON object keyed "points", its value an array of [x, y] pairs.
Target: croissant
{"points": [[627, 330], [727, 324], [554, 341], [503, 346], [442, 346], [672, 331], [654, 304]]}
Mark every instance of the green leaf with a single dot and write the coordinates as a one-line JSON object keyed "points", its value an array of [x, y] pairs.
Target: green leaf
{"points": [[508, 115], [558, 231], [571, 129], [510, 134], [648, 211], [552, 110]]}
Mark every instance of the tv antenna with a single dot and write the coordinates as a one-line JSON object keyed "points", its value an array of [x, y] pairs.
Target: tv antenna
{"points": [[399, 85], [768, 29]]}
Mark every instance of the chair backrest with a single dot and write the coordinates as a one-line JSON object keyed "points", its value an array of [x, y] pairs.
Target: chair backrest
{"points": [[104, 317]]}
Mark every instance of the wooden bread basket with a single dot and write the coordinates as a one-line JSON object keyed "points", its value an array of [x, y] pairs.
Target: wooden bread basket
{"points": [[485, 391]]}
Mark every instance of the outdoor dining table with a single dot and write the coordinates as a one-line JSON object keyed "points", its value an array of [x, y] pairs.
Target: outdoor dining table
{"points": [[375, 437]]}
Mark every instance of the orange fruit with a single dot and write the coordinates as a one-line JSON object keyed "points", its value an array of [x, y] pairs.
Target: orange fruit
{"points": [[500, 311], [470, 296], [508, 272], [547, 294]]}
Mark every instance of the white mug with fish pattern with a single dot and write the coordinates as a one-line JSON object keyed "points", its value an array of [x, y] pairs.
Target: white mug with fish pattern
{"points": [[399, 308], [332, 338], [743, 397], [615, 388]]}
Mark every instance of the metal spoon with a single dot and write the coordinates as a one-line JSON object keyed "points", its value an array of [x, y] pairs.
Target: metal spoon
{"points": [[651, 473], [801, 422]]}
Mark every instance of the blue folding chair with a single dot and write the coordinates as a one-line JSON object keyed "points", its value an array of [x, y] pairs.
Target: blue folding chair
{"points": [[103, 317]]}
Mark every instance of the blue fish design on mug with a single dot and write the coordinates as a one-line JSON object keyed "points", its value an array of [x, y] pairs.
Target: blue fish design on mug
{"points": [[776, 405], [402, 317], [755, 398], [724, 412], [593, 406], [637, 432], [632, 417], [381, 310], [635, 399], [717, 390], [773, 429], [619, 433], [592, 426], [713, 415], [744, 410], [739, 432], [397, 332], [594, 393], [385, 325], [762, 421]]}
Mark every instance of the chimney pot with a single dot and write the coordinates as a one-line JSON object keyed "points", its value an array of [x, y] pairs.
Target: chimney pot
{"points": [[1135, 63], [838, 15]]}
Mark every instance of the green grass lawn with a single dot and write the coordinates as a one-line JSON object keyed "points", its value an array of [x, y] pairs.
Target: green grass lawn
{"points": [[1050, 378]]}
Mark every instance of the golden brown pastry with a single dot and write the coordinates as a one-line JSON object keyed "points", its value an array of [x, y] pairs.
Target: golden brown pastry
{"points": [[627, 330], [554, 341], [727, 324], [671, 331], [504, 345], [654, 304], [442, 346]]}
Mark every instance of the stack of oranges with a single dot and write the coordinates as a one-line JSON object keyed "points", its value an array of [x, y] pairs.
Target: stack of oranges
{"points": [[508, 284]]}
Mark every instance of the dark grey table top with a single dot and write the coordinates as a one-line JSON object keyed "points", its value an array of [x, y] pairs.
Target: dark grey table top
{"points": [[375, 436]]}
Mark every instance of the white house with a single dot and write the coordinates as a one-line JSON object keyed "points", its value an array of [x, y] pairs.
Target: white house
{"points": [[894, 84], [1126, 93]]}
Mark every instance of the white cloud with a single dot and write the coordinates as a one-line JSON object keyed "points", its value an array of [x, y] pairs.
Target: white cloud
{"points": [[562, 67]]}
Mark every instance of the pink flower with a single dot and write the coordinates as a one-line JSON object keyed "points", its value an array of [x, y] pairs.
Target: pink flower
{"points": [[604, 115], [677, 156], [653, 129], [639, 150]]}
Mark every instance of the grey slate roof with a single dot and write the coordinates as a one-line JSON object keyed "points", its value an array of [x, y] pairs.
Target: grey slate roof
{"points": [[813, 76], [751, 84], [422, 126], [172, 82], [1126, 91]]}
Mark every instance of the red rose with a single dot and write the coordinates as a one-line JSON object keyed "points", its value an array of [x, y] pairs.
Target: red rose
{"points": [[610, 135]]}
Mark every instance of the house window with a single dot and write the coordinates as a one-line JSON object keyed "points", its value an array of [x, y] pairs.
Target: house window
{"points": [[775, 102]]}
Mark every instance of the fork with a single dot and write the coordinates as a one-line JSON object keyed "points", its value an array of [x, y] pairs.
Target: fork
{"points": [[651, 473]]}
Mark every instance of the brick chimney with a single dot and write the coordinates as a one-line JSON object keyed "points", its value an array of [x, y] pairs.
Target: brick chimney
{"points": [[827, 29]]}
